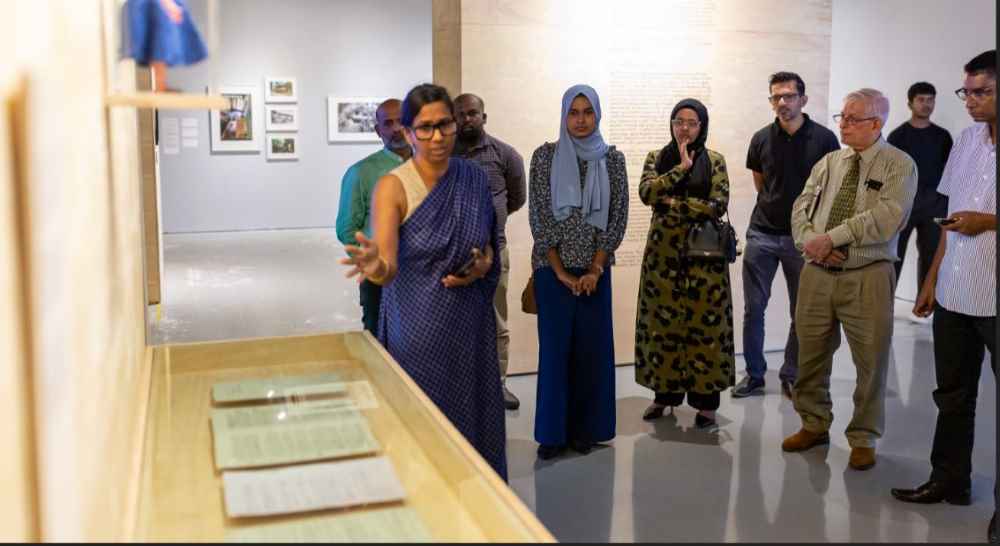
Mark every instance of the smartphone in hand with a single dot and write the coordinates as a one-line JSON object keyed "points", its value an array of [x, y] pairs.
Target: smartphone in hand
{"points": [[944, 221], [467, 266]]}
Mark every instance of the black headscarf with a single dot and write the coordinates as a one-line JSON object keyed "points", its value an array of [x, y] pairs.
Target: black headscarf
{"points": [[698, 181]]}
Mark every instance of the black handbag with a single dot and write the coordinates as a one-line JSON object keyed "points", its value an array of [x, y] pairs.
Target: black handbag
{"points": [[712, 239]]}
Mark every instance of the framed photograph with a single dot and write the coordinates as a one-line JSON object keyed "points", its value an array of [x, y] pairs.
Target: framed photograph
{"points": [[237, 129], [281, 118], [281, 90], [282, 146], [352, 119]]}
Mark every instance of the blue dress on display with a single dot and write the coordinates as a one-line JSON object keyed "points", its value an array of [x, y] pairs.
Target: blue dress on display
{"points": [[151, 36], [445, 338]]}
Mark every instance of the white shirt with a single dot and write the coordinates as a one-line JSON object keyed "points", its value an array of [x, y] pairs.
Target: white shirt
{"points": [[966, 281]]}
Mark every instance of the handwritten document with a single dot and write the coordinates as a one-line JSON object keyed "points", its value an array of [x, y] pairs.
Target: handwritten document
{"points": [[289, 433], [309, 487], [397, 524]]}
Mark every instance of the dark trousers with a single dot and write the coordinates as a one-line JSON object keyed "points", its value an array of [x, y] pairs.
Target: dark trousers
{"points": [[703, 402], [960, 342], [371, 299], [928, 235], [764, 253], [575, 398]]}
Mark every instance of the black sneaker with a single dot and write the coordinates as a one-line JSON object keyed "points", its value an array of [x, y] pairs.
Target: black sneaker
{"points": [[546, 452], [749, 386], [509, 400]]}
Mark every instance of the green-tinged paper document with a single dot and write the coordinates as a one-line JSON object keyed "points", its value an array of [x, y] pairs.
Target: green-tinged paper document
{"points": [[279, 387], [378, 525], [289, 433]]}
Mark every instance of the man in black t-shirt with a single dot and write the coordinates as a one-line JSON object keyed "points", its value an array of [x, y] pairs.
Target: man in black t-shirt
{"points": [[781, 156], [929, 146]]}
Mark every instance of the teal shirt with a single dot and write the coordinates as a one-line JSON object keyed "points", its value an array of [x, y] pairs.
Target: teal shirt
{"points": [[356, 191]]}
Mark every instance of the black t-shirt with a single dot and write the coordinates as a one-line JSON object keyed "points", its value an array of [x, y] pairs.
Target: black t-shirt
{"points": [[929, 147], [785, 161]]}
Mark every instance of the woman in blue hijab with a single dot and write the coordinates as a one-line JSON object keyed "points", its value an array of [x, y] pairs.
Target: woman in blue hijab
{"points": [[578, 208]]}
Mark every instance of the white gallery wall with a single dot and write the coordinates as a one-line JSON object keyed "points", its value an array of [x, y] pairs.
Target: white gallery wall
{"points": [[642, 56], [348, 48], [891, 44]]}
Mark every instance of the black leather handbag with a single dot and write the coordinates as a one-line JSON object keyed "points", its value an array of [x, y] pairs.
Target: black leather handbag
{"points": [[713, 239]]}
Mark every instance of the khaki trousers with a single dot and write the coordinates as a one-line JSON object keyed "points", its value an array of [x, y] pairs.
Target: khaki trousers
{"points": [[860, 300], [500, 310]]}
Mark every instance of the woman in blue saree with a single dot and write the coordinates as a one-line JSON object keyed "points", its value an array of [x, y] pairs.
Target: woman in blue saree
{"points": [[434, 239]]}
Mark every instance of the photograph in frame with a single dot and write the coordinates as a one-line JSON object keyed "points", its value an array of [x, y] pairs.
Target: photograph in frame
{"points": [[281, 90], [282, 146], [238, 128], [281, 118], [352, 119]]}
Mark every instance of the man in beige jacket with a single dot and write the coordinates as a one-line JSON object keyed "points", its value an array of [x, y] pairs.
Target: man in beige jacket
{"points": [[846, 222]]}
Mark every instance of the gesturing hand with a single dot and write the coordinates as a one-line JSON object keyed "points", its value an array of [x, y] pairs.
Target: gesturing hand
{"points": [[687, 159], [364, 258]]}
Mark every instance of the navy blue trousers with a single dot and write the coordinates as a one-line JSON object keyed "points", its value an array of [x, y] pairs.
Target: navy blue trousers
{"points": [[575, 399]]}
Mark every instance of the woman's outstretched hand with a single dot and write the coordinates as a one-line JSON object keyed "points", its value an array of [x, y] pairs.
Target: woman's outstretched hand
{"points": [[364, 259]]}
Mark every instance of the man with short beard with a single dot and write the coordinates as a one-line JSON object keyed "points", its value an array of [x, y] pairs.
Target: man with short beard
{"points": [[356, 195], [780, 157], [505, 169], [929, 146]]}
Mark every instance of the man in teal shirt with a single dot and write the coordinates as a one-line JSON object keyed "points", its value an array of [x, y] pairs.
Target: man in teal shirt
{"points": [[356, 190]]}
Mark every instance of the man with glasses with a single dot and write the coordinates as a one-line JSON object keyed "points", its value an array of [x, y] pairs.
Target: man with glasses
{"points": [[929, 146], [847, 222], [505, 169], [960, 290], [781, 155], [356, 195]]}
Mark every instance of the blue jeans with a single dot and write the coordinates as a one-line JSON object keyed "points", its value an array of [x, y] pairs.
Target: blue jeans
{"points": [[761, 257]]}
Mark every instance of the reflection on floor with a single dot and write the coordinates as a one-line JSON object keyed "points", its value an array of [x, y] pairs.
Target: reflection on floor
{"points": [[662, 481]]}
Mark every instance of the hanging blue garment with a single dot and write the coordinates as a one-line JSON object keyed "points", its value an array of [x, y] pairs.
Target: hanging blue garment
{"points": [[445, 338], [149, 35]]}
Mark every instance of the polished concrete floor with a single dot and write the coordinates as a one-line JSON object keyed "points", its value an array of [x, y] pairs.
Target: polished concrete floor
{"points": [[661, 481]]}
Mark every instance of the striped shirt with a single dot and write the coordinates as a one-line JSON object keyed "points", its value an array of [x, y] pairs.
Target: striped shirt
{"points": [[887, 184], [966, 281]]}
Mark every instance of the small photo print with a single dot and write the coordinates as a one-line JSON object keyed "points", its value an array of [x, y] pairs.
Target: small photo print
{"points": [[280, 90], [282, 147], [236, 123], [282, 118]]}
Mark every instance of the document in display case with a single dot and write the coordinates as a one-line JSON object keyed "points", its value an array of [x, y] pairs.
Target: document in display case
{"points": [[446, 491]]}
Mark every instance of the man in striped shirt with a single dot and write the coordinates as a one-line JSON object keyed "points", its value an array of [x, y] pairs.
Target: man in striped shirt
{"points": [[960, 290], [846, 222]]}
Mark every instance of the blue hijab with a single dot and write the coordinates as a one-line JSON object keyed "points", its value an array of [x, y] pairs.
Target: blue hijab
{"points": [[593, 200]]}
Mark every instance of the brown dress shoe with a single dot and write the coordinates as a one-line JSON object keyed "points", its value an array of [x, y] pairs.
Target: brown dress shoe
{"points": [[862, 458], [803, 440]]}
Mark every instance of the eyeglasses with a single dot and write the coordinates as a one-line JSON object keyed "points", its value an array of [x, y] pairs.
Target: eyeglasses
{"points": [[979, 93], [690, 124], [447, 127], [789, 97], [837, 118]]}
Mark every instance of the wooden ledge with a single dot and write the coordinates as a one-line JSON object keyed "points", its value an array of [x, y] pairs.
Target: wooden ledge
{"points": [[167, 101]]}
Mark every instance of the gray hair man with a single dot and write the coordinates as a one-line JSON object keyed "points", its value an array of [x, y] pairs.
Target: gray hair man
{"points": [[847, 222]]}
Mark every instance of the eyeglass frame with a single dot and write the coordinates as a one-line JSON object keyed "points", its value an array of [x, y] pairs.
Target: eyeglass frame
{"points": [[789, 97], [978, 93], [691, 124], [850, 121], [438, 127]]}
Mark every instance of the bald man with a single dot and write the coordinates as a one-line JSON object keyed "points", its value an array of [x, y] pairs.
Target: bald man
{"points": [[356, 192], [505, 170]]}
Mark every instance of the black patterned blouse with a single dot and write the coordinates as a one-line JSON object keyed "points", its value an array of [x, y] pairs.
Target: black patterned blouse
{"points": [[576, 240]]}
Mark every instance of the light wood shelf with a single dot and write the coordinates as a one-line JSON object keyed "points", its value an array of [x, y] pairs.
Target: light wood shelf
{"points": [[167, 101]]}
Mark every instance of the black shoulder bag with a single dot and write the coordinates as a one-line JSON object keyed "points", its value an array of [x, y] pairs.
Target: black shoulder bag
{"points": [[714, 238]]}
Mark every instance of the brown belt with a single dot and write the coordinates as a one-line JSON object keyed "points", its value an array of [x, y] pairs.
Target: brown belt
{"points": [[838, 269]]}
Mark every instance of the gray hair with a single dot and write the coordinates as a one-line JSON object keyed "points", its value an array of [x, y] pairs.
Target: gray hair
{"points": [[876, 104]]}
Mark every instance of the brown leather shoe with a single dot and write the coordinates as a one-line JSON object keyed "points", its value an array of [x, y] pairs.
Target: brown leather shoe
{"points": [[803, 440], [862, 458]]}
